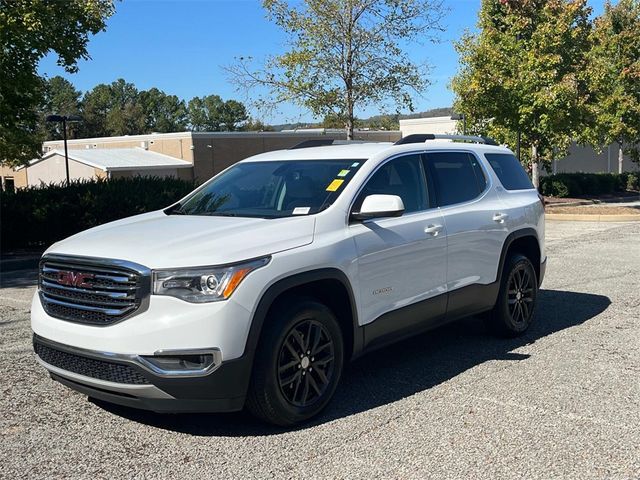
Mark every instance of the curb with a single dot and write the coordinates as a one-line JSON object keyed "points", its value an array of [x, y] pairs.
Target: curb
{"points": [[593, 202], [577, 217]]}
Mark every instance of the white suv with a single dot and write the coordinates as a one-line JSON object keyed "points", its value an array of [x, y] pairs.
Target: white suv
{"points": [[257, 287]]}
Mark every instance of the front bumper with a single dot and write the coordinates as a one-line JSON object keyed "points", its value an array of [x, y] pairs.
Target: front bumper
{"points": [[126, 380]]}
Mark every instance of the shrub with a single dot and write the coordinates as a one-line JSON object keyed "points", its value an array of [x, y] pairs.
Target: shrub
{"points": [[576, 184], [36, 217]]}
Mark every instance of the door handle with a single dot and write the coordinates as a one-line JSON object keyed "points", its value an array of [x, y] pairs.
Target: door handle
{"points": [[433, 230], [500, 217]]}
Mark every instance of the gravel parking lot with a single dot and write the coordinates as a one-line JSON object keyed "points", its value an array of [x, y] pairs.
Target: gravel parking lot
{"points": [[562, 402]]}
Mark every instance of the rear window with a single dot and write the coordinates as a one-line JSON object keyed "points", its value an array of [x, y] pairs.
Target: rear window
{"points": [[509, 171]]}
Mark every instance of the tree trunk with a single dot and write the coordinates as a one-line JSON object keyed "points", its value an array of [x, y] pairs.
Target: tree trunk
{"points": [[349, 127], [535, 171], [620, 158]]}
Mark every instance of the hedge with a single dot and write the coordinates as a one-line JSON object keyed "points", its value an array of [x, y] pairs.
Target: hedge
{"points": [[36, 217], [578, 184]]}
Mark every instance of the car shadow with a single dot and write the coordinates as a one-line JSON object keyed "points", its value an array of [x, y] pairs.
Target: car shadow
{"points": [[406, 368]]}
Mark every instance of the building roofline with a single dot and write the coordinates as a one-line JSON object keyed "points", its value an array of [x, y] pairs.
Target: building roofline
{"points": [[146, 136], [104, 168], [418, 121], [189, 134]]}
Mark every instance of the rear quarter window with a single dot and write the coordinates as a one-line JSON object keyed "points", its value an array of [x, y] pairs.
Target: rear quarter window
{"points": [[509, 171]]}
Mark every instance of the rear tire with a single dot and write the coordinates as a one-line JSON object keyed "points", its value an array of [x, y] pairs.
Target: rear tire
{"points": [[297, 365], [513, 312]]}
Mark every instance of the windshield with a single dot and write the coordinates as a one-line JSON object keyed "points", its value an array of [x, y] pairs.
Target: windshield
{"points": [[271, 189]]}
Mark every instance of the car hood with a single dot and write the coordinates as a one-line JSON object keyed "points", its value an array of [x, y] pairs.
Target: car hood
{"points": [[157, 240]]}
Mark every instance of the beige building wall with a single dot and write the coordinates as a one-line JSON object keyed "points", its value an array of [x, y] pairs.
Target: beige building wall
{"points": [[441, 125], [177, 145], [8, 174], [52, 170]]}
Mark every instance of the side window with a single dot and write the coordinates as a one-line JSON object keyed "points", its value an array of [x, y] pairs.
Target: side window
{"points": [[509, 171], [402, 177], [457, 177]]}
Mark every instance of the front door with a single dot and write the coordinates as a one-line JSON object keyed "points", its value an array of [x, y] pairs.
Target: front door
{"points": [[401, 260]]}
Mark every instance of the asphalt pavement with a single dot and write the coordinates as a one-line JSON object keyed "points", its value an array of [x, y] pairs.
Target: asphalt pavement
{"points": [[561, 402]]}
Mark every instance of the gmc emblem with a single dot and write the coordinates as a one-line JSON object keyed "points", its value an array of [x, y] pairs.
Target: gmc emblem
{"points": [[75, 279]]}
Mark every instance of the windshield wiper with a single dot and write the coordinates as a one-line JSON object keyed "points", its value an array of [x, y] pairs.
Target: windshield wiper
{"points": [[177, 210], [221, 214]]}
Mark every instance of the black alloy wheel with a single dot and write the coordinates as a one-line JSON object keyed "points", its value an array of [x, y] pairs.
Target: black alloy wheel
{"points": [[298, 362], [306, 363], [513, 312], [521, 294]]}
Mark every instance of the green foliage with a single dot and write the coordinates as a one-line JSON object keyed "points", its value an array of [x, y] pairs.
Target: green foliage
{"points": [[344, 55], [633, 181], [523, 71], [565, 185], [212, 114], [256, 125], [30, 30], [113, 110], [61, 98], [39, 216], [613, 77], [163, 113]]}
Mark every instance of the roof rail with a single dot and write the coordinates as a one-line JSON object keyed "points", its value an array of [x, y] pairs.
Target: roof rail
{"points": [[423, 137], [324, 142]]}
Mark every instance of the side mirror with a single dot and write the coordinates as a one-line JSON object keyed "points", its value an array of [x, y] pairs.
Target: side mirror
{"points": [[377, 206]]}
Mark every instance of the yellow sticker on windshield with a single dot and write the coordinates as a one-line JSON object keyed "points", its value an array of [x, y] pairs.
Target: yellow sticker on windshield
{"points": [[335, 185], [343, 173]]}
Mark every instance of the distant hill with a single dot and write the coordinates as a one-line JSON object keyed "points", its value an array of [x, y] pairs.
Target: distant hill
{"points": [[374, 120]]}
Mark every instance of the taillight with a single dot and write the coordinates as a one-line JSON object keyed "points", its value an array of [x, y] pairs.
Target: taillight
{"points": [[541, 197]]}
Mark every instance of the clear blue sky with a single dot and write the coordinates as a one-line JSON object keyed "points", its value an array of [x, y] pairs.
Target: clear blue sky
{"points": [[179, 46]]}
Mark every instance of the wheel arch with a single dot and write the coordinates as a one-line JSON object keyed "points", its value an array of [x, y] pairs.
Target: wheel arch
{"points": [[526, 242], [329, 286]]}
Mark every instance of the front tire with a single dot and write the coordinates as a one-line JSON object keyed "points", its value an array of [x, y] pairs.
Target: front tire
{"points": [[298, 363], [513, 313]]}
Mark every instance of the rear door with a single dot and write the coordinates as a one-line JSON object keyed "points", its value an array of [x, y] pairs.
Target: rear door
{"points": [[401, 260], [471, 210]]}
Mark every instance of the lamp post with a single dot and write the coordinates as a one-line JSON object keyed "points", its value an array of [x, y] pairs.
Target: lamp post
{"points": [[64, 119]]}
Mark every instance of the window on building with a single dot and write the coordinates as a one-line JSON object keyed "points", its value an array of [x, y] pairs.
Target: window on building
{"points": [[9, 184]]}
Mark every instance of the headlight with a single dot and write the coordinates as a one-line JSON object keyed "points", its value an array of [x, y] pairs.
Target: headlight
{"points": [[205, 284]]}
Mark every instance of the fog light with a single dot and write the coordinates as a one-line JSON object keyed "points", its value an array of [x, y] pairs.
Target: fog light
{"points": [[175, 365]]}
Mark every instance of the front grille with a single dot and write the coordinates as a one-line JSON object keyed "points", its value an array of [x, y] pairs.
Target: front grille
{"points": [[91, 291], [89, 367]]}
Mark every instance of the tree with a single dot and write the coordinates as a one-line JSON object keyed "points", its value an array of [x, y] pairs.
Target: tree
{"points": [[62, 98], [95, 106], [256, 125], [212, 114], [29, 30], [345, 55], [163, 113], [113, 110], [614, 79], [232, 114], [523, 72]]}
